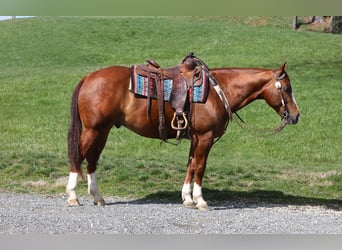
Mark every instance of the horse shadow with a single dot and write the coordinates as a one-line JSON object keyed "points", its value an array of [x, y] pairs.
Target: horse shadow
{"points": [[227, 199]]}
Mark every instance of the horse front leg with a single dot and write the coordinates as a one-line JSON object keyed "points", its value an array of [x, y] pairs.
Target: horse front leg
{"points": [[186, 190], [199, 151]]}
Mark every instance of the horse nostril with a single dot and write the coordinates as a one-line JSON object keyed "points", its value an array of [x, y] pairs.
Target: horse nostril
{"points": [[297, 119], [293, 119]]}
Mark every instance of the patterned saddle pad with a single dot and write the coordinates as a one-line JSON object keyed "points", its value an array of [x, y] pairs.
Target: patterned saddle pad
{"points": [[140, 86]]}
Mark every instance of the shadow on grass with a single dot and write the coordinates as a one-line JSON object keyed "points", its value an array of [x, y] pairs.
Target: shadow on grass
{"points": [[226, 199]]}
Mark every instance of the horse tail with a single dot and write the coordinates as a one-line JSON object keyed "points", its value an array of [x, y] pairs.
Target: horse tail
{"points": [[74, 133]]}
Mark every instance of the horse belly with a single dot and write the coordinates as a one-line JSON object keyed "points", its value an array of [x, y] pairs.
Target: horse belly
{"points": [[145, 122]]}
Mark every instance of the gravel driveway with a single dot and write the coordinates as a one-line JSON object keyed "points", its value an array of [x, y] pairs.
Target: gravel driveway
{"points": [[27, 213]]}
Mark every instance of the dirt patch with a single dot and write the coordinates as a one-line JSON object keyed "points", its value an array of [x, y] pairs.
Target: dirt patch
{"points": [[35, 184], [61, 181]]}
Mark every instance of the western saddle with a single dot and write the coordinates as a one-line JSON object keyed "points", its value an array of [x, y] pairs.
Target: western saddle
{"points": [[184, 76]]}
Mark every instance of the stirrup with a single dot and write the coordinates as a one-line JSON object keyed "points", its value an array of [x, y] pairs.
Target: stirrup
{"points": [[179, 122]]}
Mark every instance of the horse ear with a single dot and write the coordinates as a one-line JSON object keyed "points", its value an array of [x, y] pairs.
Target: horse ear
{"points": [[283, 68], [280, 73]]}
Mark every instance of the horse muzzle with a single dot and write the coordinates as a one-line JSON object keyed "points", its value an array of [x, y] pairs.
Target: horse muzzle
{"points": [[292, 119]]}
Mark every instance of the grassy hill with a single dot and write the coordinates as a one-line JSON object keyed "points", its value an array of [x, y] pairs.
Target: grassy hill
{"points": [[43, 58]]}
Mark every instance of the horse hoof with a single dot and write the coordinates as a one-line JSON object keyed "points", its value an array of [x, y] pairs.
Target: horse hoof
{"points": [[73, 203], [100, 202], [189, 204], [202, 207]]}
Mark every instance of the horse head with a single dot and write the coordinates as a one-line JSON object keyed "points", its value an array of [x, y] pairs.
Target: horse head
{"points": [[278, 94]]}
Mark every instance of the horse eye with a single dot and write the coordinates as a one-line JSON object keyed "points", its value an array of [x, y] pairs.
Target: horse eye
{"points": [[287, 89]]}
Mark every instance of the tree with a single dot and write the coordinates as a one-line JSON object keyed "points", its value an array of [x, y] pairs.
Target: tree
{"points": [[295, 23], [331, 24]]}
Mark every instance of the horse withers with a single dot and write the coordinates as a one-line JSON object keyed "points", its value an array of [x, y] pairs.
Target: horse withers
{"points": [[102, 100]]}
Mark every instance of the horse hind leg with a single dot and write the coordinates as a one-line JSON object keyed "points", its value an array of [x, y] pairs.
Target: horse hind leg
{"points": [[93, 190], [91, 145], [71, 189], [76, 158], [94, 142]]}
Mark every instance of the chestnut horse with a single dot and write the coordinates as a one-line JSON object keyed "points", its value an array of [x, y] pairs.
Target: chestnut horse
{"points": [[102, 100]]}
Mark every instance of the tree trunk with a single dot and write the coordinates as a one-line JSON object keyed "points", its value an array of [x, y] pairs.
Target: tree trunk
{"points": [[336, 24], [294, 23]]}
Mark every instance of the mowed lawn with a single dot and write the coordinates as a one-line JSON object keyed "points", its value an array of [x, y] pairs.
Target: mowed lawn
{"points": [[42, 59]]}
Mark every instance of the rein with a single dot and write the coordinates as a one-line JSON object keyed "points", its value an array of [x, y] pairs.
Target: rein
{"points": [[261, 132]]}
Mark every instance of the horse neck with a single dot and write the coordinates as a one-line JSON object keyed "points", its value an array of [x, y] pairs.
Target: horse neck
{"points": [[242, 85]]}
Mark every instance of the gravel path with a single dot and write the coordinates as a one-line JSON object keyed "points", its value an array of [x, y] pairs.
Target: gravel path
{"points": [[27, 213]]}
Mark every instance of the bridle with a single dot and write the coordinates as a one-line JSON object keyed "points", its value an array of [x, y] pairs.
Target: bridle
{"points": [[284, 116]]}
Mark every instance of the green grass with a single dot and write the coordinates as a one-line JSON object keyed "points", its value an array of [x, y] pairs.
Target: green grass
{"points": [[42, 59]]}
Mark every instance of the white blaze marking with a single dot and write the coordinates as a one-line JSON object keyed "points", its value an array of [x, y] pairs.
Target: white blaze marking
{"points": [[294, 100]]}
